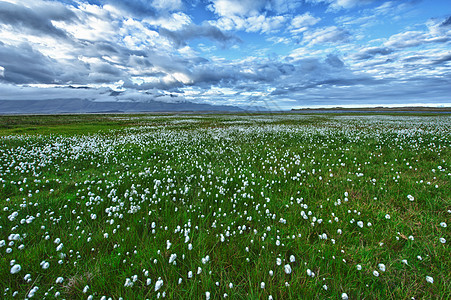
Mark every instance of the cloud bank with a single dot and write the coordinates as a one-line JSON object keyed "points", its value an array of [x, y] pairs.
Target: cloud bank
{"points": [[276, 52]]}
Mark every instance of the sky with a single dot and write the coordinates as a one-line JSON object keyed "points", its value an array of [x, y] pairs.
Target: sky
{"points": [[273, 53]]}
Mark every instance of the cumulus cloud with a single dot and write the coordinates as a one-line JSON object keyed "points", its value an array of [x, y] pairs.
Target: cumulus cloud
{"points": [[192, 31], [330, 34], [406, 39], [167, 5], [252, 15], [23, 64], [349, 3], [341, 4], [228, 8], [436, 33], [258, 23], [37, 19], [172, 22], [140, 8], [370, 52], [146, 49], [301, 23], [244, 8]]}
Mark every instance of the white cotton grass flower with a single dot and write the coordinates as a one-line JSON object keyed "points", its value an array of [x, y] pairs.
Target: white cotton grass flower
{"points": [[429, 279], [172, 258], [404, 261], [148, 281], [85, 289], [443, 224], [32, 292], [381, 267], [287, 269], [16, 269], [292, 258], [410, 197], [230, 285], [442, 240], [262, 285], [205, 259], [190, 274], [59, 280], [207, 295], [360, 224], [359, 267], [128, 282], [158, 284], [344, 296], [278, 261], [45, 265], [387, 216], [271, 272], [376, 273]]}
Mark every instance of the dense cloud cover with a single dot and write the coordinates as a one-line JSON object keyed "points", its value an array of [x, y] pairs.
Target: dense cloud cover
{"points": [[274, 53]]}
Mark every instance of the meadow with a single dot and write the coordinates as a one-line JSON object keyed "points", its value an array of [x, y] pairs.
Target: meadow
{"points": [[270, 206]]}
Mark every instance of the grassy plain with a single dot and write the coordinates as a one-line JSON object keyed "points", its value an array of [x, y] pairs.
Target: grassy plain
{"points": [[286, 206]]}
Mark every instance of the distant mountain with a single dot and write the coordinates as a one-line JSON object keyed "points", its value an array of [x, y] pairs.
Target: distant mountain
{"points": [[57, 106]]}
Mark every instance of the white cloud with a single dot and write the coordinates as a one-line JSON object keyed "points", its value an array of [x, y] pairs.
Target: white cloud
{"points": [[2, 71], [95, 23], [229, 8], [331, 34], [406, 39], [167, 5], [340, 4], [436, 33], [349, 3], [300, 23], [137, 36], [172, 22], [257, 23]]}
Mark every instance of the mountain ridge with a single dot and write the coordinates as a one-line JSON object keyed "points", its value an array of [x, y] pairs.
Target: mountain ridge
{"points": [[60, 106]]}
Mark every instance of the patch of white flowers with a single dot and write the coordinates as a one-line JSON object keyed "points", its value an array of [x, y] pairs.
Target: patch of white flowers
{"points": [[157, 198]]}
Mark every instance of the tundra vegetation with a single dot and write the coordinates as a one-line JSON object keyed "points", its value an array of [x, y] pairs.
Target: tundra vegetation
{"points": [[212, 206]]}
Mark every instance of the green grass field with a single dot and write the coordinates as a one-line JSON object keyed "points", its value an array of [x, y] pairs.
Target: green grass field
{"points": [[237, 206]]}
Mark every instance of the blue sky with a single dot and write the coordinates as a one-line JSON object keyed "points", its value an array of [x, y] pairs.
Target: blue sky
{"points": [[275, 53]]}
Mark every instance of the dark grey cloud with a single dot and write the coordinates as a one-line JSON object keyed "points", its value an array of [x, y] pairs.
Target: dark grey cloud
{"points": [[447, 22], [334, 61], [443, 59], [193, 31], [23, 64], [371, 52], [141, 8], [36, 20]]}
